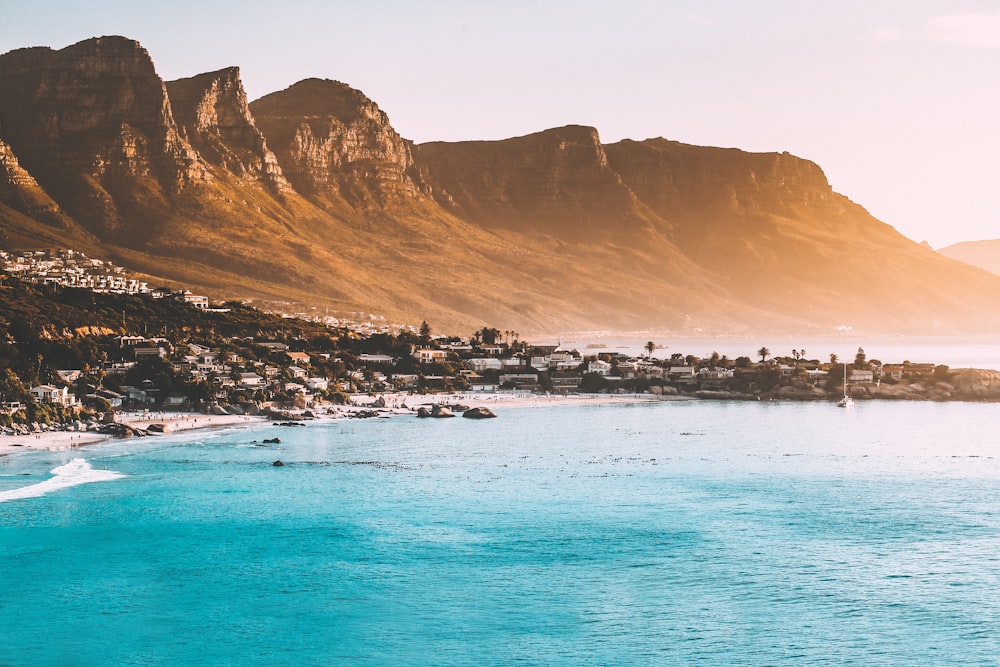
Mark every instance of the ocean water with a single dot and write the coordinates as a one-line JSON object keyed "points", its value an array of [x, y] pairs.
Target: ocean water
{"points": [[674, 533]]}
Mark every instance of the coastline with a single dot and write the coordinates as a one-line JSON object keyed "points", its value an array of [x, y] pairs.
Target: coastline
{"points": [[395, 405], [391, 405]]}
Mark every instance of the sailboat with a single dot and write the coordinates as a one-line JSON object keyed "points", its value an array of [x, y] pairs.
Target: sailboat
{"points": [[846, 401]]}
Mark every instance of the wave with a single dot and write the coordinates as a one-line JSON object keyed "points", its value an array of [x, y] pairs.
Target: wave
{"points": [[76, 472]]}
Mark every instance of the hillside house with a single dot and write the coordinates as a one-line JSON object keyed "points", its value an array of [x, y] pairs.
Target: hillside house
{"points": [[429, 356], [298, 358]]}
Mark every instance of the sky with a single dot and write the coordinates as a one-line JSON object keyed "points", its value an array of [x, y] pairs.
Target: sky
{"points": [[897, 100]]}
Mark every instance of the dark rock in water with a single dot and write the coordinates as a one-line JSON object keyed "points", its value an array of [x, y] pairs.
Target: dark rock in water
{"points": [[423, 413], [272, 441], [278, 464], [289, 424], [479, 413], [121, 431]]}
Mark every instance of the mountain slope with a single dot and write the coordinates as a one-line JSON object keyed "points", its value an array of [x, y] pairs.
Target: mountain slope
{"points": [[984, 254]]}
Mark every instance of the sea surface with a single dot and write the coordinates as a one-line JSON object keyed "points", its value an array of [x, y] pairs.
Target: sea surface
{"points": [[674, 533]]}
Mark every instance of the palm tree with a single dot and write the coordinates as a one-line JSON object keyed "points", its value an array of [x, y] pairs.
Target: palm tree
{"points": [[764, 353], [833, 358], [649, 347]]}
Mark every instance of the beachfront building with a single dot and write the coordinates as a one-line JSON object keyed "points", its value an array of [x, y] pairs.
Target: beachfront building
{"points": [[599, 366], [47, 393], [485, 364]]}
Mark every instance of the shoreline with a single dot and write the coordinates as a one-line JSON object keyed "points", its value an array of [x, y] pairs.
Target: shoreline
{"points": [[395, 404]]}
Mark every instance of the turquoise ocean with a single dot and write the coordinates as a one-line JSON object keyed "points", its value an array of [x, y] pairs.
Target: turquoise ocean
{"points": [[673, 533]]}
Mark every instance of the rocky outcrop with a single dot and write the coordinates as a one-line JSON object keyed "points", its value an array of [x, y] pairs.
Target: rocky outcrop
{"points": [[331, 139], [479, 413], [976, 383], [212, 112], [92, 123], [557, 181]]}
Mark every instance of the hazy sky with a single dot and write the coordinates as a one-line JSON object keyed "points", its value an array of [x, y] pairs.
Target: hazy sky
{"points": [[897, 100]]}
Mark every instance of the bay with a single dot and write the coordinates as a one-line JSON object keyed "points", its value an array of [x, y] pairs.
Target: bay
{"points": [[686, 532]]}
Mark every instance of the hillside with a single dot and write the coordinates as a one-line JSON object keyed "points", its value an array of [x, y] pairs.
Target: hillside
{"points": [[984, 254], [309, 195]]}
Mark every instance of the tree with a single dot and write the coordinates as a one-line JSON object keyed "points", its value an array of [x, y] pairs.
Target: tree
{"points": [[833, 358], [860, 359], [649, 347], [764, 353], [425, 329]]}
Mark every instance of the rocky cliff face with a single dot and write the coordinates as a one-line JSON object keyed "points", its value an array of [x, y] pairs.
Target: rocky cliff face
{"points": [[331, 139], [556, 181], [680, 179], [93, 124], [20, 191], [212, 112]]}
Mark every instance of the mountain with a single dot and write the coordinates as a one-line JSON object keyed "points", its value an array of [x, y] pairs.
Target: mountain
{"points": [[309, 195], [984, 254]]}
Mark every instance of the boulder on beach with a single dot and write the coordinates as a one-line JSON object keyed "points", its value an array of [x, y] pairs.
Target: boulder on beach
{"points": [[423, 413], [158, 428], [441, 411], [479, 413]]}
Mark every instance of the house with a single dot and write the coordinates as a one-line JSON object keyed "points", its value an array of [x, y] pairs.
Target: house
{"points": [[250, 380], [681, 373], [298, 358], [297, 372], [600, 367], [519, 380], [317, 384], [69, 376], [540, 363], [892, 371], [375, 359], [428, 356], [565, 382], [860, 376], [46, 393], [405, 380], [816, 376], [273, 347], [714, 378], [148, 351], [485, 364], [196, 300]]}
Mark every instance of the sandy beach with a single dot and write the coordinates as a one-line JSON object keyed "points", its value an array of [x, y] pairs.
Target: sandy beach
{"points": [[64, 440], [399, 404]]}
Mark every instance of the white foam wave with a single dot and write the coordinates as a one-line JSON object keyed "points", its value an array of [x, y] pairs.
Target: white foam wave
{"points": [[76, 472]]}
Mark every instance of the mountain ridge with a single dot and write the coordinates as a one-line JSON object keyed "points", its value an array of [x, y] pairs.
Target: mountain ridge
{"points": [[310, 195]]}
